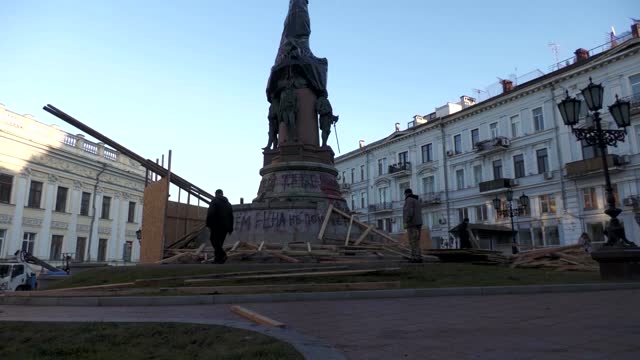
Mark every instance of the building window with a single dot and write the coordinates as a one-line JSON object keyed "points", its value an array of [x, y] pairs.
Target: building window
{"points": [[524, 238], [547, 204], [61, 199], [382, 166], [28, 240], [428, 185], [84, 203], [6, 183], [463, 213], [383, 194], [518, 165], [35, 195], [538, 119], [362, 173], [590, 151], [344, 177], [477, 174], [590, 198], [126, 251], [460, 179], [427, 153], [106, 207], [538, 240], [56, 247], [543, 161], [616, 197], [402, 187], [3, 235], [403, 157], [457, 144], [481, 213], [353, 175], [81, 245], [131, 215], [497, 169], [353, 201], [475, 137], [102, 249], [595, 231], [515, 126], [551, 236], [493, 129], [634, 81], [363, 200]]}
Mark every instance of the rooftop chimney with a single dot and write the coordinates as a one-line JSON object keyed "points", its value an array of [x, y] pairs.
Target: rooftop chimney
{"points": [[635, 30], [361, 144], [467, 101], [397, 126], [507, 85], [582, 55]]}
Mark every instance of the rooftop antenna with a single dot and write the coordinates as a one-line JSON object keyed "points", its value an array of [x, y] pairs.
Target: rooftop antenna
{"points": [[555, 49]]}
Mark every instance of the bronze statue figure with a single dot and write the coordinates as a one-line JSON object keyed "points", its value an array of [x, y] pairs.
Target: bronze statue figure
{"points": [[325, 111], [288, 107], [274, 125]]}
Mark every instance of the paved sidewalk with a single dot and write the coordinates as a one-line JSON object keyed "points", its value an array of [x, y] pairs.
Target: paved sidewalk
{"points": [[588, 325]]}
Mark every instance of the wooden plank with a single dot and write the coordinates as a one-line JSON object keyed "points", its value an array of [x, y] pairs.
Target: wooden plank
{"points": [[173, 258], [309, 246], [200, 249], [261, 246], [397, 252], [346, 241], [281, 256], [255, 317], [323, 228], [205, 277], [364, 235], [235, 246], [92, 287], [318, 273]]}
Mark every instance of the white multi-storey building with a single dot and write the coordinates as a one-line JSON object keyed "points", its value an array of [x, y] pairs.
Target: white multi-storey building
{"points": [[62, 194], [459, 158]]}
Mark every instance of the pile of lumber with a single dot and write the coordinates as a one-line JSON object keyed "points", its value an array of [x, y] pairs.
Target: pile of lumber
{"points": [[563, 258], [476, 256]]}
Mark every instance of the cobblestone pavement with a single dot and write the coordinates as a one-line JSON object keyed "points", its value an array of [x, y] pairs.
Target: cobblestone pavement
{"points": [[588, 325]]}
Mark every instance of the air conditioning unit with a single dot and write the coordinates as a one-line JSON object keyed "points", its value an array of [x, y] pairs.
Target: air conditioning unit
{"points": [[548, 175], [450, 152], [505, 142]]}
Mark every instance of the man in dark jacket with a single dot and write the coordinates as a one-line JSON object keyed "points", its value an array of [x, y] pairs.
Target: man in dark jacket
{"points": [[463, 230], [412, 218], [220, 223]]}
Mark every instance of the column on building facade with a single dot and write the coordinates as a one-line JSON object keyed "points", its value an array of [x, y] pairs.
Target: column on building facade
{"points": [[43, 243], [92, 246], [118, 225], [14, 238], [69, 244], [135, 248]]}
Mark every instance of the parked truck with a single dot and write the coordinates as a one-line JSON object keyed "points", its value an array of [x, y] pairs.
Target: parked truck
{"points": [[19, 275]]}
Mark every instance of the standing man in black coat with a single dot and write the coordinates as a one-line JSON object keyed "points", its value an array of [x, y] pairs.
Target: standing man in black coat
{"points": [[220, 223]]}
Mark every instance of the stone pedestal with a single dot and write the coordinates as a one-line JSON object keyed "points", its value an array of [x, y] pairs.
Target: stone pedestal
{"points": [[618, 263]]}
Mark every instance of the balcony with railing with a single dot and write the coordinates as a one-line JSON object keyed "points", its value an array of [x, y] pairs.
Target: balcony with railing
{"points": [[495, 185], [494, 145], [432, 198], [594, 165], [384, 206], [400, 169], [635, 103]]}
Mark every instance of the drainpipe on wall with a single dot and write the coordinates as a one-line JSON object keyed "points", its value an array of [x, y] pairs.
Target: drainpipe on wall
{"points": [[446, 179], [556, 132], [95, 210]]}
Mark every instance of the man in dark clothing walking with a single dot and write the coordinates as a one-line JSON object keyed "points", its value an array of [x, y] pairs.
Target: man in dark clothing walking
{"points": [[463, 231], [220, 223], [412, 218]]}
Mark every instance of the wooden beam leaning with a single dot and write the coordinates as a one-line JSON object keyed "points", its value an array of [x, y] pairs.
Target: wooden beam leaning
{"points": [[325, 222], [364, 235], [346, 241]]}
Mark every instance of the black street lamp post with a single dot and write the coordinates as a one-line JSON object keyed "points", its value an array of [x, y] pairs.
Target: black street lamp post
{"points": [[595, 135], [511, 212]]}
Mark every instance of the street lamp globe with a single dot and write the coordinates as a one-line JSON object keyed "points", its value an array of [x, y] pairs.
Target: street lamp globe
{"points": [[497, 203], [593, 95], [570, 110], [509, 194], [621, 112], [524, 201]]}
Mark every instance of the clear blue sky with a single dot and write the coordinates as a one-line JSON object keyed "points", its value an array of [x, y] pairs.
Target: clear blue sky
{"points": [[190, 75]]}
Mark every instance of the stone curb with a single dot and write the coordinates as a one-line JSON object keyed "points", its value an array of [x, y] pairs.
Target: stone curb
{"points": [[317, 296]]}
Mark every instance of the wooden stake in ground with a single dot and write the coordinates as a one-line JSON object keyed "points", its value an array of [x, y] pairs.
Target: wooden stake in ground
{"points": [[255, 317]]}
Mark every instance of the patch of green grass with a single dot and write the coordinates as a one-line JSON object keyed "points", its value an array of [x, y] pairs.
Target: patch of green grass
{"points": [[132, 341], [434, 275]]}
